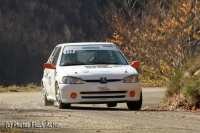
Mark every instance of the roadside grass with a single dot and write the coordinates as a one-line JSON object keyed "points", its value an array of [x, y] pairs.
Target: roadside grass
{"points": [[174, 86], [29, 88], [183, 90], [191, 90]]}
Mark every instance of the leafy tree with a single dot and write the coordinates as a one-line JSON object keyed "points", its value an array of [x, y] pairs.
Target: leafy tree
{"points": [[161, 34]]}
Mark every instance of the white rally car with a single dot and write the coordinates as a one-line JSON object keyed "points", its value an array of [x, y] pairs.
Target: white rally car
{"points": [[93, 72]]}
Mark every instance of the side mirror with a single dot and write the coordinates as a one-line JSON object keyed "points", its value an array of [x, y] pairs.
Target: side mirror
{"points": [[135, 64], [49, 66]]}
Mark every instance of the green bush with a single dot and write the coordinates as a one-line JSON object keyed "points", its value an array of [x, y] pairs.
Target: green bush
{"points": [[191, 90], [184, 86], [174, 85]]}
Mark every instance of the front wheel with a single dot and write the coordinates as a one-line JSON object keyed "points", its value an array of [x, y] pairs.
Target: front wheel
{"points": [[46, 102], [59, 102], [135, 105]]}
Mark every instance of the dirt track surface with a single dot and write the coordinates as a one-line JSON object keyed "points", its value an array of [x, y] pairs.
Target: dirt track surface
{"points": [[24, 112]]}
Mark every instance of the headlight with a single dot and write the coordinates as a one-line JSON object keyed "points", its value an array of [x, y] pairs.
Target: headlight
{"points": [[72, 80], [131, 79]]}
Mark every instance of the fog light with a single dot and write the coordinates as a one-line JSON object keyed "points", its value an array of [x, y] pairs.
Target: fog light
{"points": [[132, 94], [73, 95]]}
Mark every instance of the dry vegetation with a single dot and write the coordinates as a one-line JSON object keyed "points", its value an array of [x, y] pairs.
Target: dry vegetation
{"points": [[183, 90], [164, 36], [14, 88]]}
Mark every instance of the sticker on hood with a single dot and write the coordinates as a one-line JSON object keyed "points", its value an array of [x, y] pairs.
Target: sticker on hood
{"points": [[88, 67], [104, 66], [99, 66], [102, 73]]}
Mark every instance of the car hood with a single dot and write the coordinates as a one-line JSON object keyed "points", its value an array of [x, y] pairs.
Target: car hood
{"points": [[96, 71]]}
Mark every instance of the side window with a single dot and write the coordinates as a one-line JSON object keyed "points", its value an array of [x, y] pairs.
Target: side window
{"points": [[52, 55], [55, 56]]}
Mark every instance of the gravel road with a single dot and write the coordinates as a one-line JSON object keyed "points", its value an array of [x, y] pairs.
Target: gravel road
{"points": [[24, 112]]}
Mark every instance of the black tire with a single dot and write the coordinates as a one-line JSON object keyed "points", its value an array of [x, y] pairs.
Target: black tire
{"points": [[59, 102], [111, 105], [46, 102], [135, 105], [62, 105]]}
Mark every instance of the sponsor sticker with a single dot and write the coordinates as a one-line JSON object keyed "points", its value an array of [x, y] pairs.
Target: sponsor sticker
{"points": [[90, 47], [104, 88], [88, 67], [104, 66], [102, 73], [99, 66], [107, 46]]}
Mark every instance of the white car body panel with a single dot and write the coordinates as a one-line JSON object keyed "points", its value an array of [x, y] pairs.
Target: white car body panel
{"points": [[111, 71]]}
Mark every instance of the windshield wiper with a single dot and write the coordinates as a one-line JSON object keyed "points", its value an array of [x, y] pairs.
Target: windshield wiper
{"points": [[97, 62], [74, 63], [89, 63], [114, 63]]}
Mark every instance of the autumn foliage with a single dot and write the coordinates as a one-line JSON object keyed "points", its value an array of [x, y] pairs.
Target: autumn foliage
{"points": [[162, 35]]}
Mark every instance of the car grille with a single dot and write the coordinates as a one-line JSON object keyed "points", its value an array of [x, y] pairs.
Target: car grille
{"points": [[103, 94], [108, 80]]}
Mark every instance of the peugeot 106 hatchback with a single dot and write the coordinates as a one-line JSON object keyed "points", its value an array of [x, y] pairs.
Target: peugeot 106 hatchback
{"points": [[90, 73]]}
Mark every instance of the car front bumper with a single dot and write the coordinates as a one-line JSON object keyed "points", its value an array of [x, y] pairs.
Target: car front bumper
{"points": [[100, 93]]}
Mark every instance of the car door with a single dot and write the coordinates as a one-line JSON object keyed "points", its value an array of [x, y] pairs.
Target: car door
{"points": [[47, 74], [52, 72]]}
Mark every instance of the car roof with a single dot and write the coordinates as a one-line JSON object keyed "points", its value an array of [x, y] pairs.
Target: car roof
{"points": [[86, 43]]}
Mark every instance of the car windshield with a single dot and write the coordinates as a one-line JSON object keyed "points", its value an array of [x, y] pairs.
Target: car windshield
{"points": [[89, 55]]}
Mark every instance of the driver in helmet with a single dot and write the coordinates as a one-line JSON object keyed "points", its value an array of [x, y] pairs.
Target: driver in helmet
{"points": [[71, 58], [103, 56]]}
